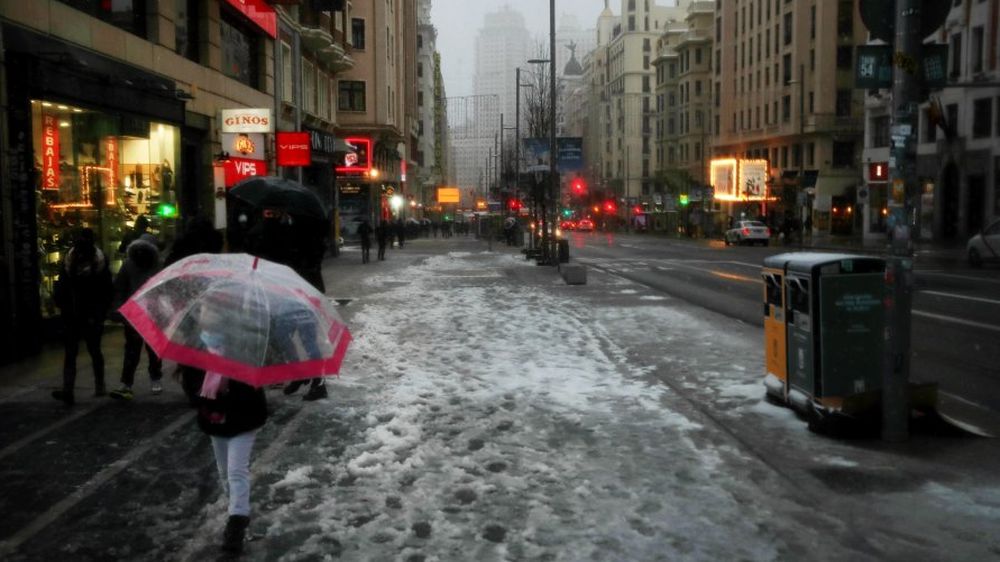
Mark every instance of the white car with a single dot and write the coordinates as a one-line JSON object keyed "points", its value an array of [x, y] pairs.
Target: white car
{"points": [[748, 232], [985, 246]]}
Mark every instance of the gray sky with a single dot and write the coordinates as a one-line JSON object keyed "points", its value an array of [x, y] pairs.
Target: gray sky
{"points": [[459, 21]]}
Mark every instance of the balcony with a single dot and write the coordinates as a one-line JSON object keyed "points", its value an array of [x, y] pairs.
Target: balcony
{"points": [[335, 57], [314, 38]]}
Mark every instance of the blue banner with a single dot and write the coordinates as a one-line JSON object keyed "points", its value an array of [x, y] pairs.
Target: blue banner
{"points": [[570, 159]]}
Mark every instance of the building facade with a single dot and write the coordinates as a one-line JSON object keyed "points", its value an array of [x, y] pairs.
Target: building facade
{"points": [[784, 92], [958, 135], [114, 110]]}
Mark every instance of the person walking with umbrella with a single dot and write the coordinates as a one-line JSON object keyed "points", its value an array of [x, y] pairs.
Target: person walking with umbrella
{"points": [[230, 413], [83, 293], [142, 261], [365, 232]]}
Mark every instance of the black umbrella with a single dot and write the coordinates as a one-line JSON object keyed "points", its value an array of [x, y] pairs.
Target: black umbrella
{"points": [[269, 192]]}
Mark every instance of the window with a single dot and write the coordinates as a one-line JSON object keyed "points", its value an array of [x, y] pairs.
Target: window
{"points": [[812, 102], [844, 98], [351, 96], [420, 42], [845, 18], [787, 65], [129, 15], [812, 22], [998, 132], [323, 95], [358, 33], [976, 52], [420, 99], [788, 29], [188, 26], [286, 72], [843, 154], [952, 112], [956, 55], [930, 127], [810, 154], [420, 70], [844, 57], [308, 86], [240, 50], [786, 108], [982, 120], [880, 131]]}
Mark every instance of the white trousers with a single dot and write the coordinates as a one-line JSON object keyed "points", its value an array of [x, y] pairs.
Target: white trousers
{"points": [[232, 457]]}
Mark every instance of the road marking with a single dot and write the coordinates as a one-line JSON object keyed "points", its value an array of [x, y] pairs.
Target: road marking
{"points": [[954, 320], [79, 413], [91, 486], [939, 273], [962, 297], [734, 277]]}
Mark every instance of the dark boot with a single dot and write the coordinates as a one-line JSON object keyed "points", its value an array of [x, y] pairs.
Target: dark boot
{"points": [[66, 396], [233, 536], [292, 387], [316, 392]]}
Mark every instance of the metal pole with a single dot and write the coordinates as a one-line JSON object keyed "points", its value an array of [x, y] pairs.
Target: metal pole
{"points": [[553, 150], [517, 141], [899, 267], [802, 150]]}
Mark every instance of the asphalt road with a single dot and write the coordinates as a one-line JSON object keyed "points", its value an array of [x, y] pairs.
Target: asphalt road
{"points": [[956, 310]]}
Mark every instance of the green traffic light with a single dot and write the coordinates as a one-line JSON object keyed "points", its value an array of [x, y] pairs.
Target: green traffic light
{"points": [[684, 199], [567, 212], [166, 210]]}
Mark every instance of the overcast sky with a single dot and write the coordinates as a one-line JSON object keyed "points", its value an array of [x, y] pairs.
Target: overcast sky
{"points": [[459, 21]]}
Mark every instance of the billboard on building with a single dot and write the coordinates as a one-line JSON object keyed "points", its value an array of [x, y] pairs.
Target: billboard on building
{"points": [[753, 180], [723, 173], [449, 195], [739, 180], [570, 150]]}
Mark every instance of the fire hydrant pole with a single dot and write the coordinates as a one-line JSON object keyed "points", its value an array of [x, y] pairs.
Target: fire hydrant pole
{"points": [[899, 269]]}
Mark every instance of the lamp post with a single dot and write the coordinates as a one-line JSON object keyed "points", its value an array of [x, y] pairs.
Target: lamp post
{"points": [[544, 210], [553, 154], [517, 137]]}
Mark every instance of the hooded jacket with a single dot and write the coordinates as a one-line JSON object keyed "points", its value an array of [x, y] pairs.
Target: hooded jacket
{"points": [[83, 290], [142, 261]]}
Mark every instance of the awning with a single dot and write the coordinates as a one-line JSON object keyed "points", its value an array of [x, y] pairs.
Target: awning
{"points": [[340, 146]]}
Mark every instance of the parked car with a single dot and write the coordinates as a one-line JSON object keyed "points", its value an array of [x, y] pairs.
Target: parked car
{"points": [[585, 225], [567, 225], [748, 232], [985, 246]]}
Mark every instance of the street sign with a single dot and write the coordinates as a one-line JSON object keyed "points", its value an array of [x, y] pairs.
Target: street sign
{"points": [[874, 67], [878, 17]]}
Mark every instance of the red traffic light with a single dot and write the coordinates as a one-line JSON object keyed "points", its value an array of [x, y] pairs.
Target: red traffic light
{"points": [[579, 187], [514, 204], [610, 206]]}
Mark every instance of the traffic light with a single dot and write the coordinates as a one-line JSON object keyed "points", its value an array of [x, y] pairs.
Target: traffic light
{"points": [[567, 213], [514, 204], [638, 210], [610, 206], [683, 200], [166, 210], [579, 187]]}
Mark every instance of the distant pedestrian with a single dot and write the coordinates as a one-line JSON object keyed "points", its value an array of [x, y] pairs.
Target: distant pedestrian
{"points": [[83, 294], [365, 232], [141, 227], [198, 237], [382, 236], [142, 261], [400, 232], [231, 413]]}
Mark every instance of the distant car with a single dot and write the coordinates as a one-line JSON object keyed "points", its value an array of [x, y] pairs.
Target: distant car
{"points": [[567, 225], [748, 232], [985, 246], [585, 225]]}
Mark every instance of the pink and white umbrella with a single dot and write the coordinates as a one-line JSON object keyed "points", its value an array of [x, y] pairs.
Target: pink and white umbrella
{"points": [[243, 317]]}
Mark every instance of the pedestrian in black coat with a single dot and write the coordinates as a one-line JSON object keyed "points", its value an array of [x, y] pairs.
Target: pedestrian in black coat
{"points": [[383, 236], [142, 261], [365, 232], [83, 294]]}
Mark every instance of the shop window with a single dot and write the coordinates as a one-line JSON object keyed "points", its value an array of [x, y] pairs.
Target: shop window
{"points": [[240, 51], [99, 171], [129, 15]]}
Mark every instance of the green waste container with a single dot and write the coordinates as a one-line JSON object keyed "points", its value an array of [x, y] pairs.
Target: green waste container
{"points": [[835, 320]]}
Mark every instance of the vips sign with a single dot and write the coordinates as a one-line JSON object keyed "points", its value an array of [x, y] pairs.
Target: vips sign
{"points": [[239, 169], [294, 149], [247, 120]]}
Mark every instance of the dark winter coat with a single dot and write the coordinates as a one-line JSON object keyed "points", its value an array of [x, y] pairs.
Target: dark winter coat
{"points": [[365, 232], [142, 261], [84, 289], [238, 408]]}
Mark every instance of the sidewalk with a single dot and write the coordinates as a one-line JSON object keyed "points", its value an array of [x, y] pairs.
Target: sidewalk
{"points": [[488, 411]]}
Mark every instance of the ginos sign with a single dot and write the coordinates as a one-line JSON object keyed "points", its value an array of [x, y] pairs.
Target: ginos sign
{"points": [[247, 121]]}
